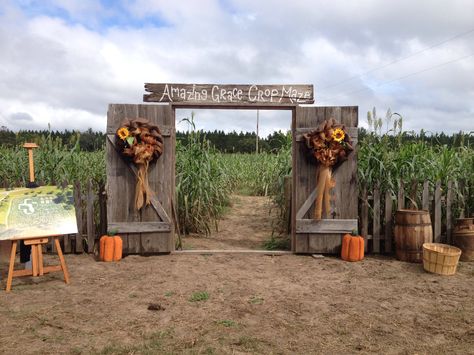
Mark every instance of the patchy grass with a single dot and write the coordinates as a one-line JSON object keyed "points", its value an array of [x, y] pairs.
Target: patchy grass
{"points": [[256, 300], [277, 243], [199, 296], [256, 305], [151, 344], [227, 323], [248, 343]]}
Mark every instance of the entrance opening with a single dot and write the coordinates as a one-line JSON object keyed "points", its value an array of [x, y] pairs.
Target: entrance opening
{"points": [[233, 182]]}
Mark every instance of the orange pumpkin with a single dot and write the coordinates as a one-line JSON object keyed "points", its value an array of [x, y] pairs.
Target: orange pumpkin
{"points": [[352, 247], [110, 247]]}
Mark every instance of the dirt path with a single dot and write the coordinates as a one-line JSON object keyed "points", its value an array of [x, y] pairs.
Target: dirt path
{"points": [[239, 304], [247, 225]]}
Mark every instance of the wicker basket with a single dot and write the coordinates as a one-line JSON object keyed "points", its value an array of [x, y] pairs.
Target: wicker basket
{"points": [[440, 258]]}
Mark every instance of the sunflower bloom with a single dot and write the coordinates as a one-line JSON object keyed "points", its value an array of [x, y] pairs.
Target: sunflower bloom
{"points": [[123, 133], [338, 135]]}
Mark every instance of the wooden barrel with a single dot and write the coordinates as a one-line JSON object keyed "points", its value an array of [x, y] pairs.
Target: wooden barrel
{"points": [[412, 229], [463, 238]]}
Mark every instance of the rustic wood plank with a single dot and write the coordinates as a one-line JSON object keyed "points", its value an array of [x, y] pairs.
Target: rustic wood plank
{"points": [[287, 195], [353, 132], [67, 244], [90, 218], [301, 243], [159, 177], [365, 218], [326, 226], [437, 213], [449, 213], [229, 94], [234, 106], [388, 221], [325, 243], [425, 202], [401, 196], [294, 166], [102, 209], [116, 169], [159, 209], [462, 200], [132, 215], [79, 216], [67, 239], [171, 182], [376, 227], [307, 204], [140, 227], [305, 170]]}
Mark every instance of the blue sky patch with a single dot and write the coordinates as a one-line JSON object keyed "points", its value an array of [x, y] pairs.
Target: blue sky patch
{"points": [[112, 14]]}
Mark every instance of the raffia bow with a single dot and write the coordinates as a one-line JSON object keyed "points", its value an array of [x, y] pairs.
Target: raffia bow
{"points": [[329, 144], [141, 142]]}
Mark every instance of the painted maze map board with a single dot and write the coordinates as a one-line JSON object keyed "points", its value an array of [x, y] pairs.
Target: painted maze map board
{"points": [[39, 212]]}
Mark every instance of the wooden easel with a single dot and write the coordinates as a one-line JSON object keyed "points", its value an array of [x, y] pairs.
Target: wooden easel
{"points": [[37, 267]]}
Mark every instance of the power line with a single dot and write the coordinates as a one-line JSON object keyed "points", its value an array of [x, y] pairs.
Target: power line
{"points": [[398, 60], [403, 77]]}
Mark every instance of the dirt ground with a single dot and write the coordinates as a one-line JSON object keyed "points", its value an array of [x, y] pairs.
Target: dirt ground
{"points": [[234, 304], [239, 303], [247, 225]]}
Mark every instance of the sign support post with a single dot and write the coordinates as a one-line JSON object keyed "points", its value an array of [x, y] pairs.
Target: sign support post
{"points": [[31, 164]]}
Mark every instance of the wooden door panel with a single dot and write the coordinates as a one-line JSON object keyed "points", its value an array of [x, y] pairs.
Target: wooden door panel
{"points": [[151, 229], [310, 236]]}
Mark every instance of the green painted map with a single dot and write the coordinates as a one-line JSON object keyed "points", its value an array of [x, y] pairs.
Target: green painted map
{"points": [[38, 212]]}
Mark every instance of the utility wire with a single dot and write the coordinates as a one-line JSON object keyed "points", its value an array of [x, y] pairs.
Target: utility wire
{"points": [[402, 77], [398, 60]]}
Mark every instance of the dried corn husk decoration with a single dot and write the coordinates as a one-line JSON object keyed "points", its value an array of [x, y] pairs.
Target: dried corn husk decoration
{"points": [[329, 144], [142, 143]]}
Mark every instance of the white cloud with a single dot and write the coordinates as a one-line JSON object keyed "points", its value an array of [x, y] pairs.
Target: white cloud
{"points": [[66, 70]]}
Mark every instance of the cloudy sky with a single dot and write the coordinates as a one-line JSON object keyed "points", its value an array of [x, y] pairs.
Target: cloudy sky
{"points": [[63, 61]]}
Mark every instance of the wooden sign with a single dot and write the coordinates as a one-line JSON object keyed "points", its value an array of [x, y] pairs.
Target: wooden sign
{"points": [[229, 94]]}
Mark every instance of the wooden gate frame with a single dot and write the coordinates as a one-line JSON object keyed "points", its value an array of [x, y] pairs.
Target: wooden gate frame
{"points": [[331, 230], [307, 235]]}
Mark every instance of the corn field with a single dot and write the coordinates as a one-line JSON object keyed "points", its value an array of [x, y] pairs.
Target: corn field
{"points": [[205, 178], [54, 163], [392, 164]]}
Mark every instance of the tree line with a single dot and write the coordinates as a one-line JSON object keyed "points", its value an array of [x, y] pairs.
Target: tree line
{"points": [[226, 142], [89, 140]]}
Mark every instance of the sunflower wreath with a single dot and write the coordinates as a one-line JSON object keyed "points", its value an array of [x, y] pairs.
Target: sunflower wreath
{"points": [[329, 144], [140, 142]]}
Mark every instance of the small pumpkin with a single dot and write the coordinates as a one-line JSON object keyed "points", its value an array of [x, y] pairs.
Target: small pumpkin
{"points": [[111, 247], [352, 247]]}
